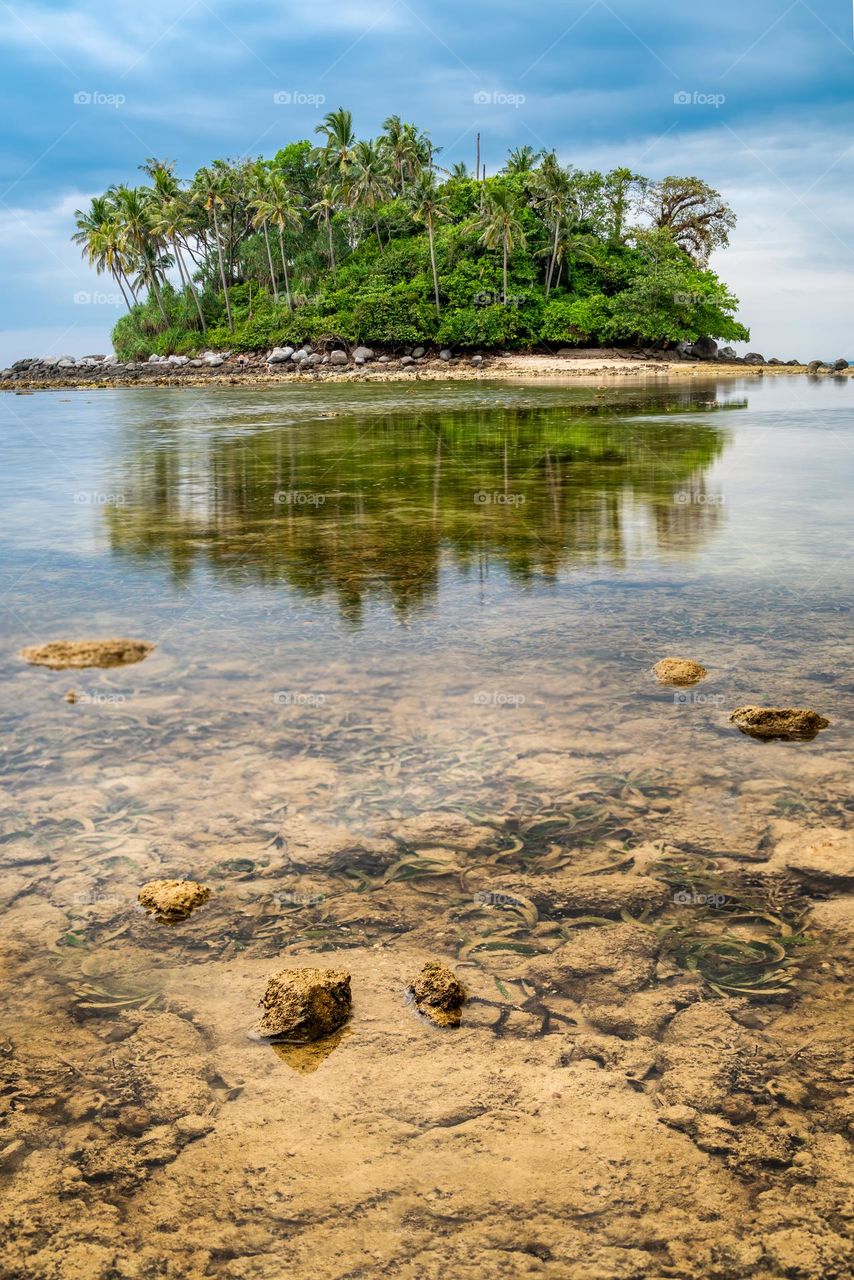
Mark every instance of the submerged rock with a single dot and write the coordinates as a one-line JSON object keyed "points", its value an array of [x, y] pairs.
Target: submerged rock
{"points": [[439, 994], [789, 723], [823, 857], [302, 1005], [173, 899], [568, 895], [601, 965], [59, 655], [680, 671]]}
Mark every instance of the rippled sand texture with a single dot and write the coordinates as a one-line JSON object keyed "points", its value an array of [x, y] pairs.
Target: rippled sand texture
{"points": [[403, 724]]}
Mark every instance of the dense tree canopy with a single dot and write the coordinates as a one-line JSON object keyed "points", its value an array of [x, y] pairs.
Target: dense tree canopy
{"points": [[373, 240]]}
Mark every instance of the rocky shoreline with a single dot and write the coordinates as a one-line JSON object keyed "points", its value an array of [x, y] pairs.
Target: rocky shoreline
{"points": [[335, 362]]}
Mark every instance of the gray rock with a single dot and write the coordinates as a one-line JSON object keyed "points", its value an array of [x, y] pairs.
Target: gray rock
{"points": [[112, 358], [406, 361], [66, 363], [445, 354], [840, 364], [774, 360], [361, 354], [279, 355], [753, 357], [20, 365], [419, 352], [314, 359], [477, 360], [301, 354], [213, 362], [727, 353], [384, 359], [154, 359], [178, 360], [705, 348], [338, 357], [815, 365]]}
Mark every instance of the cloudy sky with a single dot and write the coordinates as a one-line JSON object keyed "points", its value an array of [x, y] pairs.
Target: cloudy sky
{"points": [[753, 95]]}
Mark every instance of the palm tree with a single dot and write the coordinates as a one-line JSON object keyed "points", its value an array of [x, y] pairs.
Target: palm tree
{"points": [[133, 206], [324, 207], [99, 237], [369, 186], [211, 186], [428, 204], [257, 193], [459, 170], [501, 226], [552, 195], [394, 139], [337, 128], [278, 206], [522, 160], [574, 246], [172, 219]]}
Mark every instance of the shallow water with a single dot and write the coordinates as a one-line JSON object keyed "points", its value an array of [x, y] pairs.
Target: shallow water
{"points": [[374, 603]]}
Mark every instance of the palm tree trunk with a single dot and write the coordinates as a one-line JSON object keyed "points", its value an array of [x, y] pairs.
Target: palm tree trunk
{"points": [[379, 237], [433, 265], [553, 258], [270, 260], [285, 269], [505, 269], [185, 275], [222, 271], [118, 279], [152, 277], [331, 248]]}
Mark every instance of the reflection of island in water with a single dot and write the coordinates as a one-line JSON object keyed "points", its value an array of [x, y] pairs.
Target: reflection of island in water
{"points": [[372, 505]]}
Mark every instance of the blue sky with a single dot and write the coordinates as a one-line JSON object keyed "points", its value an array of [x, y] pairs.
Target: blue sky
{"points": [[755, 96]]}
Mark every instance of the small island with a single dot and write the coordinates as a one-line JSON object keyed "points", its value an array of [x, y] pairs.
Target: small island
{"points": [[373, 241]]}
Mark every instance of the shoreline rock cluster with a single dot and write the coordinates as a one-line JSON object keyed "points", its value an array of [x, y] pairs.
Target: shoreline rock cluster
{"points": [[333, 359]]}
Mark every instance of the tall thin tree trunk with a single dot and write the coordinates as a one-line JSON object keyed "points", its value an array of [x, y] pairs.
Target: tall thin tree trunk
{"points": [[222, 271], [270, 260], [285, 269], [379, 237], [505, 270], [118, 279], [186, 275], [553, 258], [331, 248], [152, 276], [433, 265]]}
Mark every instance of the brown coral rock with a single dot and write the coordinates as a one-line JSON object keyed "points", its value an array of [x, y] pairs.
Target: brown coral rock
{"points": [[439, 994], [302, 1005], [679, 671], [792, 724], [60, 655], [173, 899]]}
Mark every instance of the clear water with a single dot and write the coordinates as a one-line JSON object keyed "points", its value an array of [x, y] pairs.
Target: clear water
{"points": [[374, 603]]}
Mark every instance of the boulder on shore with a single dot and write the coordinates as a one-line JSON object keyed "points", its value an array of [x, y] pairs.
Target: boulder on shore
{"points": [[840, 364], [680, 671], [439, 994], [363, 353], [791, 724], [302, 1005], [705, 348], [338, 357], [753, 357]]}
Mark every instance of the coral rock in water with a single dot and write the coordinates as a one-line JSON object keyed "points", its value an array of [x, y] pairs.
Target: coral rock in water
{"points": [[789, 723], [439, 995], [679, 671], [59, 655], [173, 899], [305, 1004]]}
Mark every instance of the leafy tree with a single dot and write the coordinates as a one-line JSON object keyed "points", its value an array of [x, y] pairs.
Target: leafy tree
{"points": [[696, 216]]}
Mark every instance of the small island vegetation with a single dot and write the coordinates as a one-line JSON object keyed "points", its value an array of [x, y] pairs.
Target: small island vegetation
{"points": [[374, 241]]}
